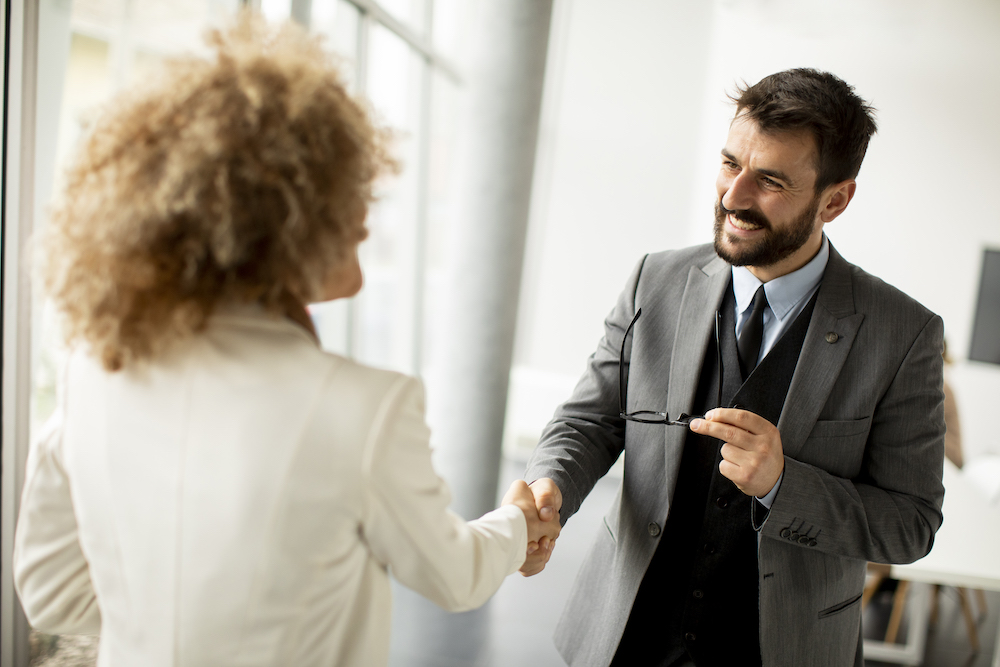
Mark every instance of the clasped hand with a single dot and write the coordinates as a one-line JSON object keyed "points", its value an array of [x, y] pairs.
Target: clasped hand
{"points": [[752, 457], [540, 503]]}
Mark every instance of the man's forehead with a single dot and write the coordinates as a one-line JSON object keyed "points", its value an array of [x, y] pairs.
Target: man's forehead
{"points": [[745, 124], [795, 148]]}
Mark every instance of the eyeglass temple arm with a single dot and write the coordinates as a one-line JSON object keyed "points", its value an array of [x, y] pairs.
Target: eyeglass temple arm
{"points": [[621, 365], [718, 350]]}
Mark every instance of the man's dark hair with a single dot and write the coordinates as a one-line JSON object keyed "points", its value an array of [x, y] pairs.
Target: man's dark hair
{"points": [[823, 104]]}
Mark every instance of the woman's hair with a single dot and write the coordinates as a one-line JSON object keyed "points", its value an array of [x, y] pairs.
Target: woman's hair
{"points": [[243, 177]]}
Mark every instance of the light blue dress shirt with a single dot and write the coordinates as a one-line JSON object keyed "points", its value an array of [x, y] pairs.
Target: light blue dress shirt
{"points": [[786, 297]]}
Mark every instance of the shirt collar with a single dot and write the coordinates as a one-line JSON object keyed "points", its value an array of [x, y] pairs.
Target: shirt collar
{"points": [[783, 292]]}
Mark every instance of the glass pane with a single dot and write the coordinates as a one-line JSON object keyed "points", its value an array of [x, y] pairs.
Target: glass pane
{"points": [[411, 12], [386, 312], [452, 19], [276, 10], [333, 325], [164, 28], [337, 21], [440, 210]]}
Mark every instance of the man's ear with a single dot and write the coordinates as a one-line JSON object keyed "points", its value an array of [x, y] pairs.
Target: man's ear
{"points": [[836, 198]]}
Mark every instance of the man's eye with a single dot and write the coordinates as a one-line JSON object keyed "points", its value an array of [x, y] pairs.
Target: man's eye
{"points": [[770, 182]]}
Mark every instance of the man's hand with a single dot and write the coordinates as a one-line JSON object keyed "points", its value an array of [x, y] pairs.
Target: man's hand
{"points": [[542, 534], [751, 456], [547, 502]]}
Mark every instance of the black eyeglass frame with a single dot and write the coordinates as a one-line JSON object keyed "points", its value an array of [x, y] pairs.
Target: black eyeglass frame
{"points": [[650, 416]]}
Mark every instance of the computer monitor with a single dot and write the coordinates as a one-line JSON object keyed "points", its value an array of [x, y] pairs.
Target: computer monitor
{"points": [[986, 329]]}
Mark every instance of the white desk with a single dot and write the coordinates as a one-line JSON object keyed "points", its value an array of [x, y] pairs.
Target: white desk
{"points": [[966, 553]]}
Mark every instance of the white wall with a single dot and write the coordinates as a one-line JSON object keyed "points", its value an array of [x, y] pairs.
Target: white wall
{"points": [[634, 119]]}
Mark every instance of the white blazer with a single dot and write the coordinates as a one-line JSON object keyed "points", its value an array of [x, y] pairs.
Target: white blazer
{"points": [[240, 502]]}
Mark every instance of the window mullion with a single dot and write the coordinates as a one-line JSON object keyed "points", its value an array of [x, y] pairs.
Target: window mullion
{"points": [[361, 87], [423, 202], [20, 83], [422, 44]]}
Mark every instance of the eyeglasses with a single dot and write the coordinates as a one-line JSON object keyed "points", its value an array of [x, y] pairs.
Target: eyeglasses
{"points": [[649, 416]]}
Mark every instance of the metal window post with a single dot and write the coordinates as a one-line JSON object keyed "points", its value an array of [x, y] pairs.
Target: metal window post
{"points": [[20, 79]]}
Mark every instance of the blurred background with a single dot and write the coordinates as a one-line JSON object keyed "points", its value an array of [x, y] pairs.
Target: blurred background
{"points": [[546, 146]]}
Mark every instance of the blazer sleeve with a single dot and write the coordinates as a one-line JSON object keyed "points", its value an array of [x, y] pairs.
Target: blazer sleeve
{"points": [[456, 564], [51, 574], [889, 512]]}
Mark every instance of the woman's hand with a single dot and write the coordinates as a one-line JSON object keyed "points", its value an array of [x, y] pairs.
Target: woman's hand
{"points": [[541, 534]]}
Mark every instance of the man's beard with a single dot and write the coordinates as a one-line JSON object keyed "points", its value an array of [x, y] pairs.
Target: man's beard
{"points": [[773, 246]]}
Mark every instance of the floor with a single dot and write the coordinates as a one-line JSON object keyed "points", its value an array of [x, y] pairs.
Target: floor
{"points": [[515, 628]]}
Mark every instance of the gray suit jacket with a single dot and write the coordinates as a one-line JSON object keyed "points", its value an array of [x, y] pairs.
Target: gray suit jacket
{"points": [[863, 436]]}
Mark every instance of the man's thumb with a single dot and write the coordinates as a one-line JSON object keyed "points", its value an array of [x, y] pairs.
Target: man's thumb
{"points": [[545, 492]]}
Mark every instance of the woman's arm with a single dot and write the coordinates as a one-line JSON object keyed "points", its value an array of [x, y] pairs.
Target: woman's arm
{"points": [[50, 572], [456, 564]]}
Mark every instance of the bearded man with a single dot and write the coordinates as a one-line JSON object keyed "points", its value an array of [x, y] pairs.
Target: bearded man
{"points": [[740, 534]]}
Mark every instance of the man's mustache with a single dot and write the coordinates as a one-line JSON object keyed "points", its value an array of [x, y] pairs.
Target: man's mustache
{"points": [[746, 215]]}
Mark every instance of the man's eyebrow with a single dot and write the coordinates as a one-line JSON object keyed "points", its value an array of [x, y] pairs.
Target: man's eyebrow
{"points": [[771, 173], [775, 174]]}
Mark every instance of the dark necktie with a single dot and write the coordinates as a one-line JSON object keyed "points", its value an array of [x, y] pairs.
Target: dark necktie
{"points": [[752, 334]]}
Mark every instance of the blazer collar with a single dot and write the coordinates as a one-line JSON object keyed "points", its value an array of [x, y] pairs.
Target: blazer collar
{"points": [[254, 316], [836, 292], [705, 286]]}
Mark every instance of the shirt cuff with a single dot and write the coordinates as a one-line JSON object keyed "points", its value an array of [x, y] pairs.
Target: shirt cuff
{"points": [[768, 499]]}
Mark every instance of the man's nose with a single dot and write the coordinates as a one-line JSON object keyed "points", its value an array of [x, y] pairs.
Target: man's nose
{"points": [[739, 195]]}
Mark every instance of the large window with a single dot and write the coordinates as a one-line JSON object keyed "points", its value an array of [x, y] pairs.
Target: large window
{"points": [[397, 61], [399, 54]]}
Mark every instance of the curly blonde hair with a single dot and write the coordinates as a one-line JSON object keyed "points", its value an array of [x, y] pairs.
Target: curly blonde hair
{"points": [[242, 177]]}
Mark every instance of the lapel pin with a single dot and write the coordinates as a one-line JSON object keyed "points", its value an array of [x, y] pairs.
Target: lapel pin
{"points": [[831, 337]]}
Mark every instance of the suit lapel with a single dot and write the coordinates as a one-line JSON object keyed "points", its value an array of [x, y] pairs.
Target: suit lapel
{"points": [[695, 328], [823, 355]]}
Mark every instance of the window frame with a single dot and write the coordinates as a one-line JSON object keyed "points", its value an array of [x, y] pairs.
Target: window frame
{"points": [[20, 47]]}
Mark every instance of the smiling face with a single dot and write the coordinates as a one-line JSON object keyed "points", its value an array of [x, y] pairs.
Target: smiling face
{"points": [[769, 217]]}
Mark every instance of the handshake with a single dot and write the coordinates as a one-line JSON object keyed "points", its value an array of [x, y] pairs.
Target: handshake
{"points": [[540, 503]]}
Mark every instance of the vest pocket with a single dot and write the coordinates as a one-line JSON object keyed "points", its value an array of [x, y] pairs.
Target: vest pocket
{"points": [[840, 606], [841, 429]]}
